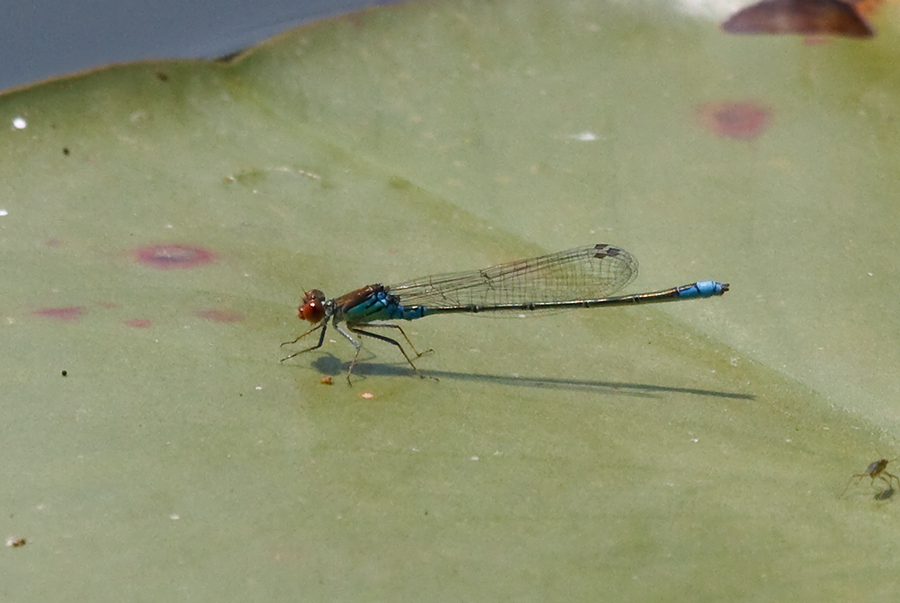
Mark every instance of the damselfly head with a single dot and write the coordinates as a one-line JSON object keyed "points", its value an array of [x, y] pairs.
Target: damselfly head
{"points": [[312, 308]]}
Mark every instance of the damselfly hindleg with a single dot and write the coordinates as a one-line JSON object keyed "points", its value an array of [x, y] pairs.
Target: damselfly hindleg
{"points": [[389, 325]]}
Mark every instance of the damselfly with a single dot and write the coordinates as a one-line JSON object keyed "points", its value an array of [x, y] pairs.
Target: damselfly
{"points": [[577, 278]]}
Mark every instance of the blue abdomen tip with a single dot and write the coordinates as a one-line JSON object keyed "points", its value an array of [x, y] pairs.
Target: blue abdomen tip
{"points": [[703, 289]]}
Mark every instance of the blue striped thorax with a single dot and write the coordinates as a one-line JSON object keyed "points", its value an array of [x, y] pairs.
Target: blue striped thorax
{"points": [[371, 303]]}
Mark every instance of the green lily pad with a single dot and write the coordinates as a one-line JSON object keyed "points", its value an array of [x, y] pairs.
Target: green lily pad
{"points": [[162, 221]]}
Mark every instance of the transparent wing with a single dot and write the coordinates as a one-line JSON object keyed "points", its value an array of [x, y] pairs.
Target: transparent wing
{"points": [[590, 272]]}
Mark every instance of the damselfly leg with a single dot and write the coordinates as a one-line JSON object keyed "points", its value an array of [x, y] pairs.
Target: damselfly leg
{"points": [[315, 347], [388, 325]]}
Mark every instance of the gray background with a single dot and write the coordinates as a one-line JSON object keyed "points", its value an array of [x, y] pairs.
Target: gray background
{"points": [[46, 39]]}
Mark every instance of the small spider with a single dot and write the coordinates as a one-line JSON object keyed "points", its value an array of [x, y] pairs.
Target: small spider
{"points": [[876, 469]]}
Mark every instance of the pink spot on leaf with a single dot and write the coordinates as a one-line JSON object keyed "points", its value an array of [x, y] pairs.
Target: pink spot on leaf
{"points": [[735, 119], [67, 314], [168, 256], [138, 323]]}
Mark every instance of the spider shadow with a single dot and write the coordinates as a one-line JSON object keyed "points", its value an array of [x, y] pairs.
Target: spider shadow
{"points": [[885, 494]]}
